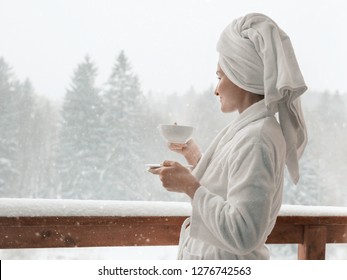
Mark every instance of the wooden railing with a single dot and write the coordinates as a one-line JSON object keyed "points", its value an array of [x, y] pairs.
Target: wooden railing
{"points": [[312, 233]]}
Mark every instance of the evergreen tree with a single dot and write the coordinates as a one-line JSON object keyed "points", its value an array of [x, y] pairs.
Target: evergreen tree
{"points": [[9, 131], [308, 189], [25, 105], [79, 158], [43, 141], [327, 131], [124, 125], [25, 151]]}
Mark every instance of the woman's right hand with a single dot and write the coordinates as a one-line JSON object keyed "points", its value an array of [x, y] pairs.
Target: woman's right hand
{"points": [[190, 151]]}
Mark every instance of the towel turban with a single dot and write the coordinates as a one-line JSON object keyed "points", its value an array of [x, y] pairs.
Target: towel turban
{"points": [[256, 55]]}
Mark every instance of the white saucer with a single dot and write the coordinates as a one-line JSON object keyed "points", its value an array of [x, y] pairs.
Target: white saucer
{"points": [[158, 165], [153, 165]]}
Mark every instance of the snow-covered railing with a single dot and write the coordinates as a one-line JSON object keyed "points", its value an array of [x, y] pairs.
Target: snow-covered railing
{"points": [[44, 223]]}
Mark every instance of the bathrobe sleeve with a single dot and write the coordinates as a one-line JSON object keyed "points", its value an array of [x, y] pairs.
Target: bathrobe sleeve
{"points": [[239, 222]]}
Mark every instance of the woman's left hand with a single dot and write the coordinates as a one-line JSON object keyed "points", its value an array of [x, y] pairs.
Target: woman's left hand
{"points": [[189, 150], [176, 178]]}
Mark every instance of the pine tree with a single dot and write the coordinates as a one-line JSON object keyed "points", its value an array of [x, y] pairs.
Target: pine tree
{"points": [[308, 190], [79, 157], [43, 140], [124, 124], [9, 131], [25, 105], [25, 151], [331, 118]]}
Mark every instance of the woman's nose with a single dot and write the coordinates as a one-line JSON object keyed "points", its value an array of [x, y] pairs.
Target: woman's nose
{"points": [[216, 91]]}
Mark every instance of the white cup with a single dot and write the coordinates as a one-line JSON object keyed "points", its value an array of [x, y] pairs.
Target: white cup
{"points": [[178, 134]]}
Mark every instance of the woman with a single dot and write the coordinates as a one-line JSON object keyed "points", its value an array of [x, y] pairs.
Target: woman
{"points": [[236, 186]]}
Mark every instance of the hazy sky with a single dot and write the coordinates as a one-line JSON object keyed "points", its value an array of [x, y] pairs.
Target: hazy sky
{"points": [[170, 43]]}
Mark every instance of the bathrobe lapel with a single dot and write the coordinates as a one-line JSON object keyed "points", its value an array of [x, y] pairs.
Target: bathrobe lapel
{"points": [[255, 112]]}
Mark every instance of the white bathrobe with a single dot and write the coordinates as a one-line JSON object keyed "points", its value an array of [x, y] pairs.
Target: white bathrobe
{"points": [[241, 176]]}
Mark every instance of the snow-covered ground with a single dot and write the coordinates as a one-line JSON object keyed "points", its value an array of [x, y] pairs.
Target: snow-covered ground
{"points": [[279, 252], [97, 253]]}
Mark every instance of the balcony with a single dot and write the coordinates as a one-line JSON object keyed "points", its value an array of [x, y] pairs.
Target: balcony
{"points": [[44, 223]]}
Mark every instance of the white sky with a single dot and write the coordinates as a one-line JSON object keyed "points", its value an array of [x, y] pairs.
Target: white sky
{"points": [[170, 43]]}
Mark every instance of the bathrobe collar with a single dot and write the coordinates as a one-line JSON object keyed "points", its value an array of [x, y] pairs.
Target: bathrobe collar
{"points": [[253, 113]]}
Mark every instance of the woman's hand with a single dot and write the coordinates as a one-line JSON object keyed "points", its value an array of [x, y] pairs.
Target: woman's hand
{"points": [[190, 151], [176, 178]]}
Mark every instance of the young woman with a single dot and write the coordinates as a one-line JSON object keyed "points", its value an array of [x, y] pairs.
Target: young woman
{"points": [[236, 185]]}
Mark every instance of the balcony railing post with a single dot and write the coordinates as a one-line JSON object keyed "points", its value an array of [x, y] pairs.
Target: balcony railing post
{"points": [[314, 243]]}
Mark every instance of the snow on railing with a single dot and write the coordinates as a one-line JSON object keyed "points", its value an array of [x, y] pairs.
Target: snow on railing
{"points": [[312, 211], [47, 223], [23, 207]]}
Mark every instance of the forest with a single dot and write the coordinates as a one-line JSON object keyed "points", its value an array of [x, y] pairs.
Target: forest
{"points": [[95, 144]]}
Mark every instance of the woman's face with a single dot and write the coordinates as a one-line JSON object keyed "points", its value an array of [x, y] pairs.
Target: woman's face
{"points": [[231, 96]]}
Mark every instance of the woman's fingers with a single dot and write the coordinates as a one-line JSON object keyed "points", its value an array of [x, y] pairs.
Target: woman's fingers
{"points": [[168, 163], [177, 147], [164, 165], [155, 170]]}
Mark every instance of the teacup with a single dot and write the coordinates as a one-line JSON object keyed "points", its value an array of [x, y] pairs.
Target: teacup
{"points": [[178, 134]]}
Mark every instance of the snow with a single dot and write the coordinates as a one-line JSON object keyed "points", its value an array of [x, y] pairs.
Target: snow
{"points": [[93, 253], [14, 207], [19, 207], [303, 210]]}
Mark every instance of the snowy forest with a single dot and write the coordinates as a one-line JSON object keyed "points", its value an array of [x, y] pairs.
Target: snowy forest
{"points": [[95, 144]]}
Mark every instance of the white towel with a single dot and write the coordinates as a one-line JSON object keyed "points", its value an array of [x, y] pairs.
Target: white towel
{"points": [[256, 55]]}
